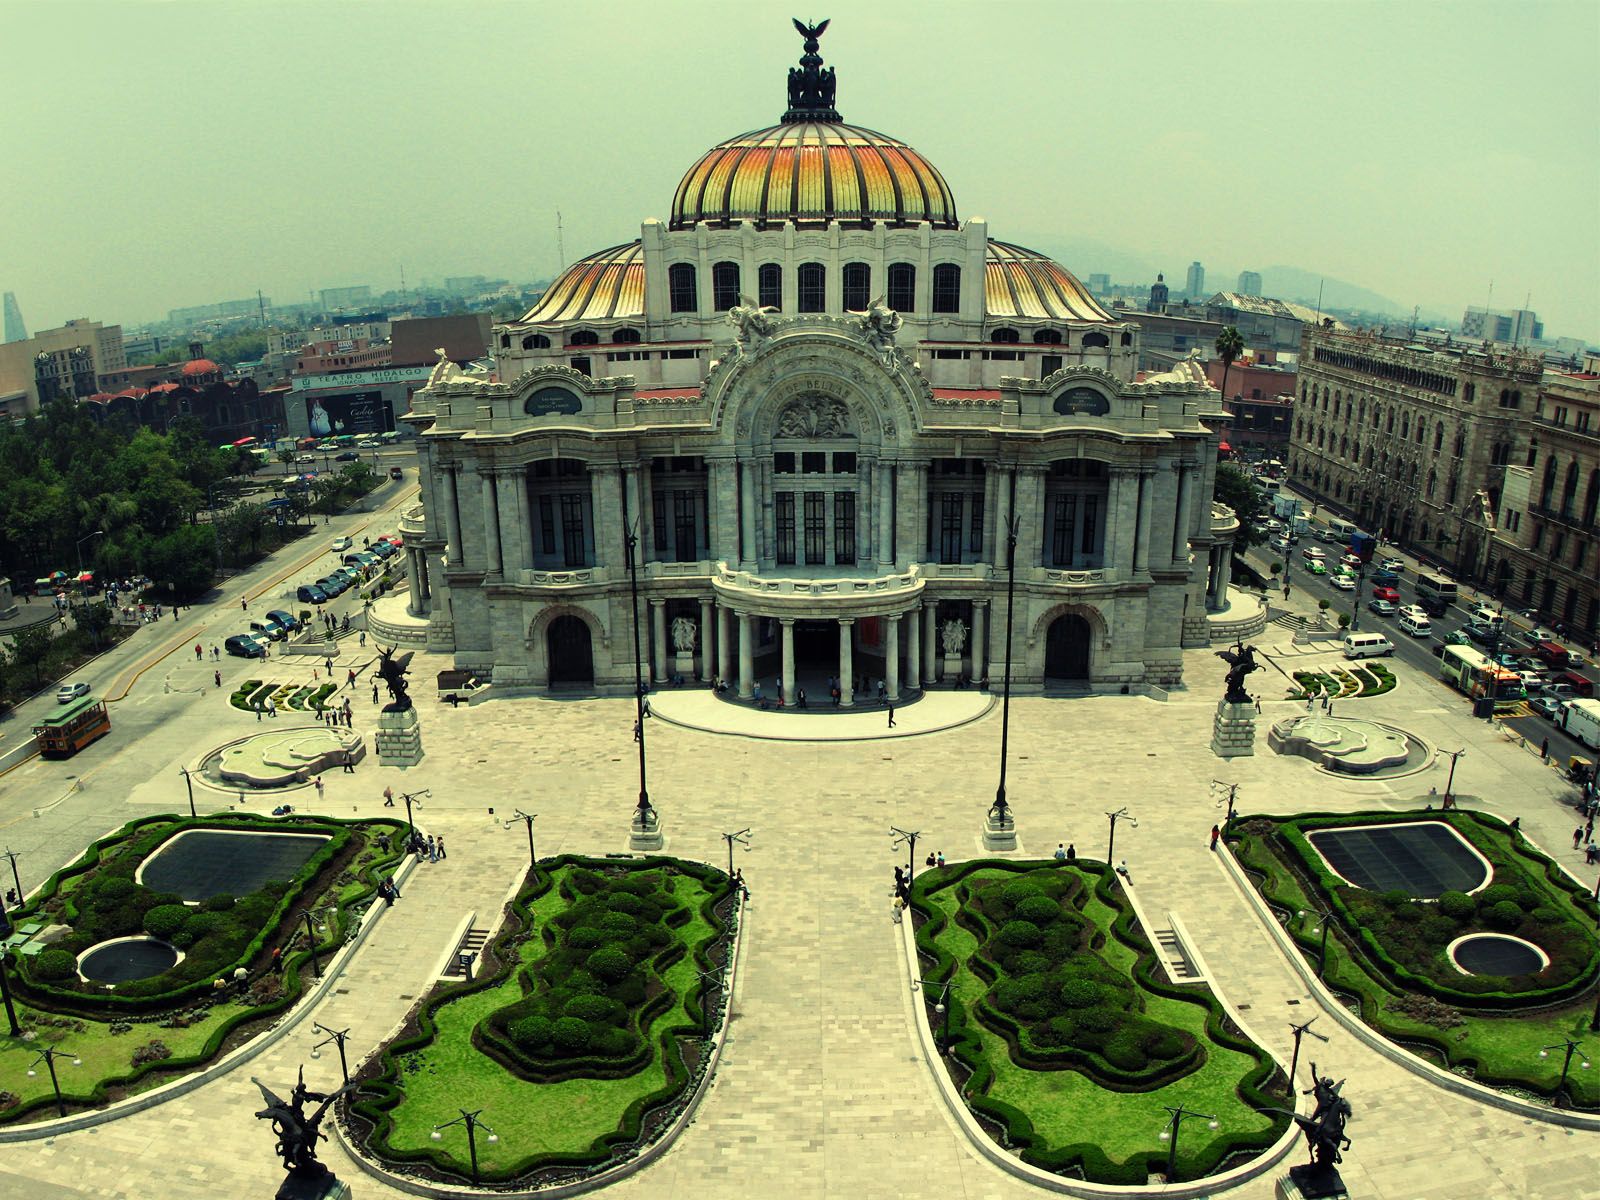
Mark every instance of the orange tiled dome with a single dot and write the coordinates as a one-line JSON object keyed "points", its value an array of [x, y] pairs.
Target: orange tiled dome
{"points": [[813, 172]]}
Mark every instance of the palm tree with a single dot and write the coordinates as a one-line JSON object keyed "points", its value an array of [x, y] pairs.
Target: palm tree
{"points": [[287, 456], [1229, 346]]}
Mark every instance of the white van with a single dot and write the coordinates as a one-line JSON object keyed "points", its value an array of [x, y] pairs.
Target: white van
{"points": [[1416, 624], [1367, 645], [268, 630], [1487, 618]]}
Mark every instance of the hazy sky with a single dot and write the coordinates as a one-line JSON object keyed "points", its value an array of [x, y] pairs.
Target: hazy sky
{"points": [[154, 155]]}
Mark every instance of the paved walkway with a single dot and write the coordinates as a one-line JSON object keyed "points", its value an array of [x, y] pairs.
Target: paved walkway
{"points": [[821, 1092], [696, 708]]}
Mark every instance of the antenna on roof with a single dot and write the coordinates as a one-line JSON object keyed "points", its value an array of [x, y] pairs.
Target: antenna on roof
{"points": [[1320, 282], [561, 245]]}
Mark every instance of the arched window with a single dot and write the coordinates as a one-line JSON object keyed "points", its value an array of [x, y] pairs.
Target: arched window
{"points": [[1438, 438], [769, 285], [584, 337], [857, 286], [625, 336], [1004, 335], [1127, 339], [536, 341], [1047, 337], [813, 279], [1569, 490], [682, 293], [724, 285], [1461, 443], [1095, 341], [946, 288], [1422, 429], [1405, 427], [1591, 500], [505, 341], [902, 287]]}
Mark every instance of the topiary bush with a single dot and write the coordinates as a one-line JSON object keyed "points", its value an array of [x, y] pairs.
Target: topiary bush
{"points": [[610, 964], [52, 965], [570, 1035], [165, 920], [1504, 915], [1457, 905], [532, 1031]]}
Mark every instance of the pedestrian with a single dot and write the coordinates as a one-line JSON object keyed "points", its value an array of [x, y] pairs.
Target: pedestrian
{"points": [[244, 605], [939, 861], [1072, 852], [374, 691], [350, 679], [1516, 824], [1216, 834], [433, 851], [257, 707], [363, 639], [1258, 705], [349, 764], [800, 698], [277, 958], [198, 652], [217, 677], [388, 797], [1577, 837], [891, 716], [319, 787], [272, 708], [883, 693], [1330, 706], [174, 612], [439, 846], [216, 654], [1588, 828], [1061, 852], [1544, 750], [386, 890]]}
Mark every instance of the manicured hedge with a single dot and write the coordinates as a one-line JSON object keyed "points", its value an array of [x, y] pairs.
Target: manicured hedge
{"points": [[574, 1021], [1088, 970]]}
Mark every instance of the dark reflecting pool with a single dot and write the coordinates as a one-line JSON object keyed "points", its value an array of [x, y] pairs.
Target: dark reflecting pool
{"points": [[126, 959], [200, 863]]}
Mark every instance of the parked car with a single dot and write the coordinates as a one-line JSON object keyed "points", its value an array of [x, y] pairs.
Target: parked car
{"points": [[383, 549], [270, 630], [334, 585], [288, 621], [1343, 581], [340, 545], [241, 646], [68, 692], [1547, 707], [1540, 634], [310, 593], [1384, 608], [368, 559]]}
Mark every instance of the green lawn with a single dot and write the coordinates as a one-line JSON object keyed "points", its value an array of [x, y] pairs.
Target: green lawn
{"points": [[1498, 1048], [1068, 1109], [535, 1119]]}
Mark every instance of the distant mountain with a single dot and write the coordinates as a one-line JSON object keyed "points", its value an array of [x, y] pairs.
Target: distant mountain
{"points": [[1296, 283]]}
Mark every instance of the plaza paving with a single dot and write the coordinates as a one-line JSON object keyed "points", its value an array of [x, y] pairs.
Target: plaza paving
{"points": [[821, 1092]]}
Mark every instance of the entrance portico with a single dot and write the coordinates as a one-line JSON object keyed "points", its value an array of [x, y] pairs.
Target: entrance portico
{"points": [[867, 612]]}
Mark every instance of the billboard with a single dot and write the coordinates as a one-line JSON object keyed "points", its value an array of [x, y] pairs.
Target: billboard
{"points": [[348, 412]]}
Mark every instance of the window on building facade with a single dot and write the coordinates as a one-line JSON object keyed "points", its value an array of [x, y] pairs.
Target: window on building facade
{"points": [[769, 285], [1469, 393], [573, 543], [658, 522], [1591, 500], [1095, 341], [584, 337], [844, 528], [844, 462], [1548, 488], [783, 462], [682, 294], [724, 285], [536, 341], [547, 524], [816, 516], [625, 336], [1049, 364], [902, 287], [946, 288], [857, 286], [813, 280], [1004, 335], [684, 526], [783, 523], [1569, 490], [1047, 337], [951, 540]]}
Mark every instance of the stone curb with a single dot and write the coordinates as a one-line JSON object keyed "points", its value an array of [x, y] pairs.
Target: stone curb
{"points": [[223, 1065], [988, 1148], [419, 1187], [1374, 1040]]}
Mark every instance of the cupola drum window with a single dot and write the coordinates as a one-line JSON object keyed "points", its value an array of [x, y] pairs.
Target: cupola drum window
{"points": [[902, 287], [769, 285], [682, 294], [857, 286], [724, 285], [813, 288], [946, 288]]}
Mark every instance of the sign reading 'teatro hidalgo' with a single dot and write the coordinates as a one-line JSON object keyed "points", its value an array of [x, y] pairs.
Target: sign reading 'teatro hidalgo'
{"points": [[358, 379]]}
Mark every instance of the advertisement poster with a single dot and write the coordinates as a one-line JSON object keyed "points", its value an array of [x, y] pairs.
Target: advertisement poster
{"points": [[348, 412]]}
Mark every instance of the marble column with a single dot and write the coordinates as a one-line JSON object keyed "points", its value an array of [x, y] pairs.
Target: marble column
{"points": [[847, 662], [707, 638], [1224, 575], [747, 655], [980, 650], [514, 543], [524, 515], [605, 503], [1141, 541], [414, 577], [913, 659], [991, 512], [929, 649], [747, 514], [1180, 531], [787, 626], [910, 528], [883, 504], [643, 487], [658, 632], [722, 502], [724, 644], [1114, 559], [1030, 516], [426, 578], [891, 657], [491, 525], [452, 515]]}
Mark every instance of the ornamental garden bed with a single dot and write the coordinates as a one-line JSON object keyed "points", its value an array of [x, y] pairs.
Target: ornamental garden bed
{"points": [[1065, 1036], [582, 1037], [1347, 682], [253, 693], [1393, 955], [133, 1035]]}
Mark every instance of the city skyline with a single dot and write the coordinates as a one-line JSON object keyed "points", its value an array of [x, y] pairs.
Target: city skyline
{"points": [[1453, 149]]}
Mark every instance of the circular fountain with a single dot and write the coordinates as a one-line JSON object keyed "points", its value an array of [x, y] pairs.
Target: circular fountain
{"points": [[1350, 745], [124, 959]]}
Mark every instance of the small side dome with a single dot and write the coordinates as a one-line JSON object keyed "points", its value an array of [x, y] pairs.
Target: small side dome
{"points": [[1023, 283], [604, 286], [198, 367]]}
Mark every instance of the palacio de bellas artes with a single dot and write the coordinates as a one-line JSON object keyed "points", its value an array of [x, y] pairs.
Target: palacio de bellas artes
{"points": [[823, 405]]}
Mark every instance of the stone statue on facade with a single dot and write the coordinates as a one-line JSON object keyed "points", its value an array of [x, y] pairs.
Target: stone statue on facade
{"points": [[878, 326], [815, 417], [685, 632], [752, 323], [954, 634], [1241, 661]]}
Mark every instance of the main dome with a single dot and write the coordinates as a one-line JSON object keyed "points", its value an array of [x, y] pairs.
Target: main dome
{"points": [[811, 173]]}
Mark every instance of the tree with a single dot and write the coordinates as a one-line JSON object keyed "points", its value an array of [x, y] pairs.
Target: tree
{"points": [[1229, 346], [94, 620], [287, 456], [183, 559], [239, 530], [30, 650], [1239, 492]]}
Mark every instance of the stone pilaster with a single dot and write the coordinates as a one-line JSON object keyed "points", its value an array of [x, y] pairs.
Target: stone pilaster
{"points": [[847, 663], [786, 624], [891, 657], [491, 525], [747, 656], [658, 634]]}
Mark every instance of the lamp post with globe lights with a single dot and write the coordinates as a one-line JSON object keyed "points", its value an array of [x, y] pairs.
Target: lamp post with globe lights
{"points": [[473, 1121], [48, 1056], [1170, 1134]]}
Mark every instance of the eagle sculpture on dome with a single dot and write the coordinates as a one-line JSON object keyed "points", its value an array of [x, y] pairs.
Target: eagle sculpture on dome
{"points": [[810, 32]]}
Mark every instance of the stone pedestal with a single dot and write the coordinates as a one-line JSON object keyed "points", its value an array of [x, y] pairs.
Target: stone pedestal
{"points": [[1311, 1183], [1233, 732], [953, 669], [646, 835], [399, 738], [1000, 834], [326, 1187], [683, 664]]}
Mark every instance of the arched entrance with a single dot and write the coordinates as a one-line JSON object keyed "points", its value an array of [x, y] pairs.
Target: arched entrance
{"points": [[571, 660], [1066, 649]]}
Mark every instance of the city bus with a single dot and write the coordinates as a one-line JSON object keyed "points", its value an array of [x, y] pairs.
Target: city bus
{"points": [[72, 727], [1471, 671], [1434, 594]]}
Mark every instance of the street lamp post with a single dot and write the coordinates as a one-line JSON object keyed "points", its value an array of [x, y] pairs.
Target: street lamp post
{"points": [[941, 1007], [1571, 1047], [1232, 790], [1322, 951], [1002, 809], [410, 798], [81, 541], [743, 838], [338, 1037], [1170, 1134], [1361, 581], [471, 1120], [631, 538], [48, 1056], [1300, 1031], [15, 878], [5, 983], [1120, 815], [910, 837], [311, 941], [189, 783], [527, 819], [1449, 784]]}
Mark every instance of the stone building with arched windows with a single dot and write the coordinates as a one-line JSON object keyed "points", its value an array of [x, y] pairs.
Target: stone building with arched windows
{"points": [[821, 401]]}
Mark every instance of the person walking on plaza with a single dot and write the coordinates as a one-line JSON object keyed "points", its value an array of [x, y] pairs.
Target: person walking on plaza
{"points": [[363, 639], [374, 691], [1577, 837], [1216, 834], [891, 716], [350, 679], [216, 654], [319, 787], [217, 677], [1544, 750], [388, 797], [198, 652], [349, 764], [439, 846], [272, 708], [244, 605], [433, 851]]}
